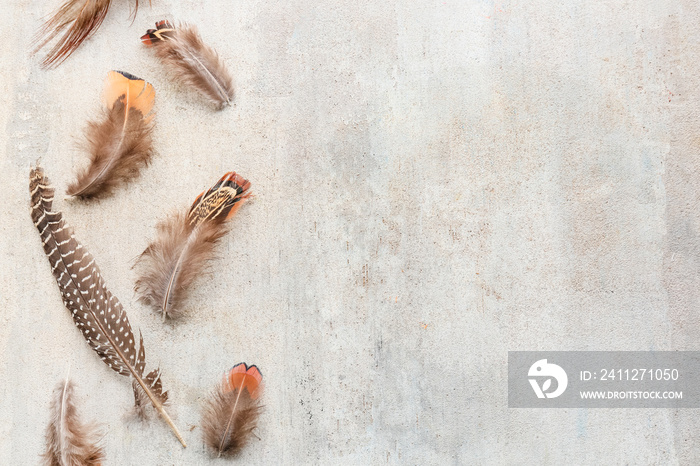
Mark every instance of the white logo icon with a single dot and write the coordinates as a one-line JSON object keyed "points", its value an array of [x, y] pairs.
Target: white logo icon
{"points": [[550, 371]]}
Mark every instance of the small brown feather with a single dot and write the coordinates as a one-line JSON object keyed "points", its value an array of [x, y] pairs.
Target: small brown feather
{"points": [[70, 442], [121, 143], [185, 243], [230, 415], [191, 61], [174, 261]]}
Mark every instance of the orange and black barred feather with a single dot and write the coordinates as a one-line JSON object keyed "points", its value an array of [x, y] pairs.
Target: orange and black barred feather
{"points": [[231, 412], [191, 61], [185, 243], [162, 31], [96, 312], [221, 201], [120, 144]]}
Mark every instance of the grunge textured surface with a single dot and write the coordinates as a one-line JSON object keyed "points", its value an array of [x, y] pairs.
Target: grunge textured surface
{"points": [[436, 183]]}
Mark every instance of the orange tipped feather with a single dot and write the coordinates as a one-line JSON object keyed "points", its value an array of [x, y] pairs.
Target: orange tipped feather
{"points": [[137, 93], [120, 144], [242, 377], [185, 244], [232, 412]]}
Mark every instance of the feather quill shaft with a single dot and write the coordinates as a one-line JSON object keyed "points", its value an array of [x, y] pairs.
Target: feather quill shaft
{"points": [[96, 312], [69, 441], [185, 243], [191, 61], [121, 143], [231, 413]]}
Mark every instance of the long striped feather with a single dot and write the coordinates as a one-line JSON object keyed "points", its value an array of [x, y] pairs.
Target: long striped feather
{"points": [[73, 23], [96, 312]]}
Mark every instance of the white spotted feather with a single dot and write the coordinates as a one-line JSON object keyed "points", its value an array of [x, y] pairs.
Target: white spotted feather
{"points": [[96, 312]]}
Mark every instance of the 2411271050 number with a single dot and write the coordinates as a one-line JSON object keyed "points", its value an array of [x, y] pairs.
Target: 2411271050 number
{"points": [[639, 374]]}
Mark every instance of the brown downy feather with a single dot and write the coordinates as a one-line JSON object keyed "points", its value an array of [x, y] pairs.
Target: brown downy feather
{"points": [[96, 312], [191, 61], [120, 144], [185, 244], [75, 21], [231, 412], [70, 442]]}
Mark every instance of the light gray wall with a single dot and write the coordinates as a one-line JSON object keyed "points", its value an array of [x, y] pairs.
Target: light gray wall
{"points": [[437, 183]]}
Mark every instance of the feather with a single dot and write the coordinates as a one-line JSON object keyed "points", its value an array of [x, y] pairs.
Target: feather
{"points": [[185, 243], [75, 21], [96, 312], [120, 144], [191, 61], [70, 442], [231, 412]]}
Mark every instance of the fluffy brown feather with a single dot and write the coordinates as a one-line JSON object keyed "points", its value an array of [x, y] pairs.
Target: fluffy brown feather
{"points": [[75, 21], [69, 441], [185, 243], [231, 412], [174, 261], [120, 144], [191, 61]]}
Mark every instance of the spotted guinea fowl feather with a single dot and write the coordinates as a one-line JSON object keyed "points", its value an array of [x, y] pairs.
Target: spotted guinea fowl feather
{"points": [[96, 312]]}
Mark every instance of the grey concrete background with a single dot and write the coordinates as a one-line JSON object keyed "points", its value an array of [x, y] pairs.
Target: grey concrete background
{"points": [[437, 183]]}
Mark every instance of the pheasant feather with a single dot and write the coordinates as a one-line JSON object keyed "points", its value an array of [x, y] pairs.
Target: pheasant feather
{"points": [[70, 442], [192, 62], [185, 243], [120, 143], [73, 23], [231, 413], [96, 312]]}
